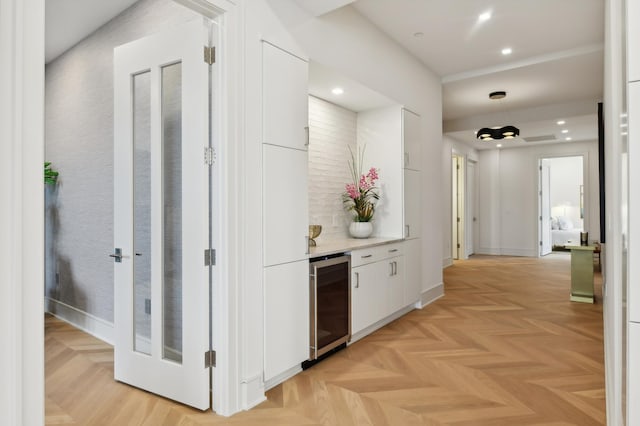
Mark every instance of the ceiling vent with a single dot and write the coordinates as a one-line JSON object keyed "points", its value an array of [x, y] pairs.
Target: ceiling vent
{"points": [[542, 138]]}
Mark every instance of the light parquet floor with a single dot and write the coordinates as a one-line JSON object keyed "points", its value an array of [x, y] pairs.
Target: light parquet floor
{"points": [[504, 347]]}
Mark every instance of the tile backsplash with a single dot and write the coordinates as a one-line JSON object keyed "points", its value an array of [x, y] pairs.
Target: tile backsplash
{"points": [[332, 129]]}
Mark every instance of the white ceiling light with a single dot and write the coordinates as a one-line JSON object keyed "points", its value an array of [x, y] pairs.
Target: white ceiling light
{"points": [[565, 131], [499, 145], [506, 51], [484, 16], [567, 139], [560, 122], [337, 90]]}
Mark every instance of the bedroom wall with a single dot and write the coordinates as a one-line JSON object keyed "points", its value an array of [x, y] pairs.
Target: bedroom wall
{"points": [[508, 188], [565, 178]]}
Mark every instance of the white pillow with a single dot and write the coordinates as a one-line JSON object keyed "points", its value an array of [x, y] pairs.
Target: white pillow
{"points": [[554, 223], [564, 223]]}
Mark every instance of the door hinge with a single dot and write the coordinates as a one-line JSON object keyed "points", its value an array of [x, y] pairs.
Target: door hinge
{"points": [[209, 155], [210, 55], [209, 359], [540, 218], [540, 243], [209, 257], [458, 220], [458, 245]]}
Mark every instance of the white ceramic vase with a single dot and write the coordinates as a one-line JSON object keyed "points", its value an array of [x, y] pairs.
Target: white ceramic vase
{"points": [[360, 229]]}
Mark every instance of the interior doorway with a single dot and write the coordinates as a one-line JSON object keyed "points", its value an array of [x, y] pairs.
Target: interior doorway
{"points": [[457, 207], [562, 202]]}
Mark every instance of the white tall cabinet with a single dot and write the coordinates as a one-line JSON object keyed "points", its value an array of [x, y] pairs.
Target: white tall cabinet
{"points": [[412, 145], [285, 212]]}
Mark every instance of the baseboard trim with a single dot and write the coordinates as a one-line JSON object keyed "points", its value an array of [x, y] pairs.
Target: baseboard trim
{"points": [[446, 262], [252, 391], [97, 327], [274, 381], [433, 294]]}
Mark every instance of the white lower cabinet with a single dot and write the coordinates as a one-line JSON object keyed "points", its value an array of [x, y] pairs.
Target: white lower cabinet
{"points": [[412, 271], [286, 317], [368, 294], [395, 284], [377, 287]]}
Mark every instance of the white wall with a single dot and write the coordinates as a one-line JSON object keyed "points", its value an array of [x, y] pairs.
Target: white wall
{"points": [[332, 130], [508, 197], [450, 147]]}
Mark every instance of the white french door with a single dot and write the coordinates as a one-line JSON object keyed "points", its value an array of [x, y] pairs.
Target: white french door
{"points": [[161, 214]]}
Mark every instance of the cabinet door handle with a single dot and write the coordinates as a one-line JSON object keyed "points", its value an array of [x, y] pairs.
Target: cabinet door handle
{"points": [[395, 268], [366, 256], [406, 231], [393, 250], [357, 279], [391, 265], [306, 142]]}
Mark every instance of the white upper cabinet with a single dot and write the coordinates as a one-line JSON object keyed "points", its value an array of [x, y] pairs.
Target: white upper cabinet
{"points": [[285, 205], [285, 110], [412, 204], [412, 140]]}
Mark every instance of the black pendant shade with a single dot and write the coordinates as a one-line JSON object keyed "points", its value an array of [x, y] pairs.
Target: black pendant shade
{"points": [[506, 132]]}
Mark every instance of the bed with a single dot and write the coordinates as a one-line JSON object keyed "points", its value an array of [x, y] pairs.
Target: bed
{"points": [[563, 233]]}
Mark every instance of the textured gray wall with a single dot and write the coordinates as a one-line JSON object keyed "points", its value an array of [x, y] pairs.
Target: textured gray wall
{"points": [[79, 143]]}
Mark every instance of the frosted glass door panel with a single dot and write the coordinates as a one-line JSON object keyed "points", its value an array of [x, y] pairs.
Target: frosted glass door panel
{"points": [[172, 214], [142, 211]]}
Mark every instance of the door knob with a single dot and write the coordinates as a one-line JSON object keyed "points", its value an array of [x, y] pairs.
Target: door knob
{"points": [[117, 256]]}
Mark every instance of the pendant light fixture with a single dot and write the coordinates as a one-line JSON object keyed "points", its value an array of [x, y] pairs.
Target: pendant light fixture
{"points": [[494, 133]]}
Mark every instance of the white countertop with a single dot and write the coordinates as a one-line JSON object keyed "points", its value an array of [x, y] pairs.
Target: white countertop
{"points": [[332, 246]]}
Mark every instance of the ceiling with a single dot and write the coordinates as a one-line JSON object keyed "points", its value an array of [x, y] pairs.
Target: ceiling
{"points": [[555, 70], [557, 59], [69, 21]]}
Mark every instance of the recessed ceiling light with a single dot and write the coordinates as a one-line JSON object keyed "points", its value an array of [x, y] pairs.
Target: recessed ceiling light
{"points": [[560, 122], [565, 131], [418, 34], [506, 51], [337, 90], [499, 145], [484, 16], [567, 139]]}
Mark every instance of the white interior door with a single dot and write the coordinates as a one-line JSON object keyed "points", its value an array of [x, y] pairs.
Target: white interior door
{"points": [[545, 209], [161, 192], [470, 221]]}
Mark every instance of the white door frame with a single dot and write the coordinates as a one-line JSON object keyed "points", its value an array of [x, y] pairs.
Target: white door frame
{"points": [[22, 211], [586, 188], [471, 208]]}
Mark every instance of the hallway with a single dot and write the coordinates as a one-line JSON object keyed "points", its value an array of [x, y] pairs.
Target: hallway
{"points": [[503, 347]]}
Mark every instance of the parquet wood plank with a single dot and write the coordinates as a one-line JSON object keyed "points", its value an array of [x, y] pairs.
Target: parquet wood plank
{"points": [[504, 347]]}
